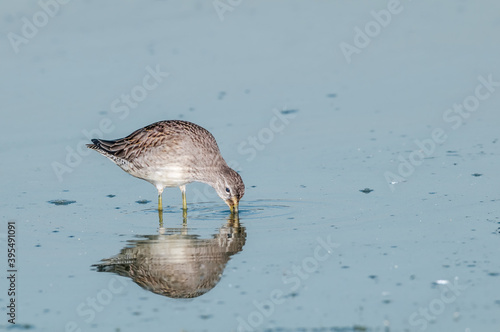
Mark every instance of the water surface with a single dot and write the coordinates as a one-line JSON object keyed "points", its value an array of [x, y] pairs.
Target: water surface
{"points": [[370, 205]]}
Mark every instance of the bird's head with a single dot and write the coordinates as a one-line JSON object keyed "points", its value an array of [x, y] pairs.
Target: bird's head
{"points": [[230, 188]]}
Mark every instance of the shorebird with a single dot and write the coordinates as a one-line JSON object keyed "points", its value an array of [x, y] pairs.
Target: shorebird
{"points": [[172, 154]]}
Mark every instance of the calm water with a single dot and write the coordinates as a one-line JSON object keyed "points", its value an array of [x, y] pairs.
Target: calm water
{"points": [[370, 161]]}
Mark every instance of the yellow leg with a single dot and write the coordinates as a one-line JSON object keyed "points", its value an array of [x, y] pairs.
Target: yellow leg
{"points": [[184, 202], [160, 205]]}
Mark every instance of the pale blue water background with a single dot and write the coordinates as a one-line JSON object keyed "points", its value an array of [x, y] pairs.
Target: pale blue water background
{"points": [[326, 128]]}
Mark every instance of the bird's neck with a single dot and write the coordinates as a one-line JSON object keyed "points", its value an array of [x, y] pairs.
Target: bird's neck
{"points": [[212, 174]]}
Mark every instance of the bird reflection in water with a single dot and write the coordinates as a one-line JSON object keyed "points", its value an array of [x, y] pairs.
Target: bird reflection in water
{"points": [[175, 263]]}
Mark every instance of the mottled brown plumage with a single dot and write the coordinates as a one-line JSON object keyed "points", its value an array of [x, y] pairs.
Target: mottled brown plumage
{"points": [[172, 154]]}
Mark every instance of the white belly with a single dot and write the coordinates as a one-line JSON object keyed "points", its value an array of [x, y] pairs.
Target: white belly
{"points": [[169, 176]]}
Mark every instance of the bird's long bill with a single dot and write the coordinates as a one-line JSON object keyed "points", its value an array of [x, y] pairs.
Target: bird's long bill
{"points": [[233, 203]]}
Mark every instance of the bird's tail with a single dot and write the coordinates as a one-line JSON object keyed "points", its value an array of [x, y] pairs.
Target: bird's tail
{"points": [[103, 147]]}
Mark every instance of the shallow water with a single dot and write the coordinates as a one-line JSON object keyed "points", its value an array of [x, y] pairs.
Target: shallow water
{"points": [[369, 205]]}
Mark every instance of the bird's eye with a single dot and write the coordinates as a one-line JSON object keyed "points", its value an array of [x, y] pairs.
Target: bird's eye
{"points": [[227, 190]]}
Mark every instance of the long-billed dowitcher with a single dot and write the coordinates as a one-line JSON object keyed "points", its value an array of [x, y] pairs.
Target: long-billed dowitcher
{"points": [[172, 154]]}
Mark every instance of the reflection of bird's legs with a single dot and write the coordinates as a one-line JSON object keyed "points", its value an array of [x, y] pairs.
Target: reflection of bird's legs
{"points": [[184, 203], [184, 217], [161, 229], [160, 218], [233, 220], [184, 229]]}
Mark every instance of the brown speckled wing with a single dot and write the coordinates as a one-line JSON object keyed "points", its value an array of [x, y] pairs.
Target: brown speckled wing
{"points": [[135, 144], [176, 145]]}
